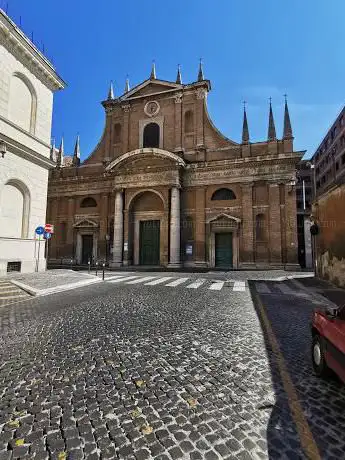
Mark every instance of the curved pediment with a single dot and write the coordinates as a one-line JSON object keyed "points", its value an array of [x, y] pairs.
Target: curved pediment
{"points": [[145, 154]]}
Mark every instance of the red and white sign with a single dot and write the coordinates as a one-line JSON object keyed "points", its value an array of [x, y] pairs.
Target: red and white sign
{"points": [[49, 228]]}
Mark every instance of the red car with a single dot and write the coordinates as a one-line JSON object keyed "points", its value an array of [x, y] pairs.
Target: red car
{"points": [[328, 349]]}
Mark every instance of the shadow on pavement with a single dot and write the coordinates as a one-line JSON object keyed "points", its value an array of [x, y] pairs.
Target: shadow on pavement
{"points": [[322, 402]]}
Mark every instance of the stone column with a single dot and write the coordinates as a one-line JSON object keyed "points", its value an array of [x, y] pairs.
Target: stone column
{"points": [[118, 230], [247, 243], [274, 225], [174, 259]]}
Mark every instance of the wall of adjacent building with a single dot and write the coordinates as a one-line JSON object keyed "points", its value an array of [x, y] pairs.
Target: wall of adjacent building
{"points": [[329, 211], [26, 105]]}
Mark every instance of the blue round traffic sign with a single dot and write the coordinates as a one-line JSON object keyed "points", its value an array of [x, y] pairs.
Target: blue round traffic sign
{"points": [[47, 235], [39, 230]]}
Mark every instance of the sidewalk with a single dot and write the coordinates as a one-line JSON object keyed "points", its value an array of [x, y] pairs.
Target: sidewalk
{"points": [[324, 288], [51, 281]]}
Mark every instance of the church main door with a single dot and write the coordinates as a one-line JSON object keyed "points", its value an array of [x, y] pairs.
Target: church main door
{"points": [[87, 249], [149, 242]]}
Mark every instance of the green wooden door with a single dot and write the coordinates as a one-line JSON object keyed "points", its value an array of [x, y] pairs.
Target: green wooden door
{"points": [[223, 249], [149, 242], [87, 248]]}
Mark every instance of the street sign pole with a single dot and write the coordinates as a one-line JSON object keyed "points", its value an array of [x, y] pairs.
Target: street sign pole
{"points": [[39, 249]]}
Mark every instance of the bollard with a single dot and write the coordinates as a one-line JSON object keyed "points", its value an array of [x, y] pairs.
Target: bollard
{"points": [[71, 264], [103, 271], [89, 264], [96, 268]]}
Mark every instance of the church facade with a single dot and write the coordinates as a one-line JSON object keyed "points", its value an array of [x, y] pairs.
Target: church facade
{"points": [[165, 188]]}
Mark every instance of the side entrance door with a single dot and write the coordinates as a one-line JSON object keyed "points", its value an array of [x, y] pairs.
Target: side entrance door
{"points": [[149, 242], [87, 248], [223, 243]]}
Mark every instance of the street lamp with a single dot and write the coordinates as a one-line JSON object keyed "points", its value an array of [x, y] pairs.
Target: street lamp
{"points": [[3, 148]]}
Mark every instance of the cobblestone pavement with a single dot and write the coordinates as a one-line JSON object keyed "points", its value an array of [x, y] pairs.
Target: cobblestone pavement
{"points": [[323, 402], [136, 372]]}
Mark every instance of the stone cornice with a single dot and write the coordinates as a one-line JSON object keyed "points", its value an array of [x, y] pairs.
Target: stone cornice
{"points": [[16, 42], [28, 154]]}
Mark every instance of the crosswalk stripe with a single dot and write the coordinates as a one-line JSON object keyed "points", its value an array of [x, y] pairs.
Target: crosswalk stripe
{"points": [[126, 278], [18, 296], [141, 280], [7, 286], [262, 288], [110, 278], [16, 291], [285, 289], [159, 281], [216, 286], [196, 283], [177, 282], [239, 286]]}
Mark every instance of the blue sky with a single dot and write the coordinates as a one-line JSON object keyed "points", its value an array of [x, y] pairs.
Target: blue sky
{"points": [[251, 50]]}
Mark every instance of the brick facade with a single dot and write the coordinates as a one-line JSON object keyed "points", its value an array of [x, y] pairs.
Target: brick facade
{"points": [[134, 176]]}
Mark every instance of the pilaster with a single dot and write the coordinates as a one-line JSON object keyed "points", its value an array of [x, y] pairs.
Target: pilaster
{"points": [[247, 250], [174, 255], [200, 101], [125, 140], [291, 225], [200, 227], [274, 224], [178, 122]]}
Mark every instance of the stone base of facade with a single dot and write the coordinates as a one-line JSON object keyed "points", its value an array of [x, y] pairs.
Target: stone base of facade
{"points": [[115, 264], [292, 267], [174, 265]]}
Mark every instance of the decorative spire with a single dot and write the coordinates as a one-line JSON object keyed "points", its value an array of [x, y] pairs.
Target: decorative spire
{"points": [[201, 71], [111, 92], [61, 153], [153, 71], [245, 130], [52, 150], [287, 123], [179, 77], [271, 126], [76, 155], [127, 87]]}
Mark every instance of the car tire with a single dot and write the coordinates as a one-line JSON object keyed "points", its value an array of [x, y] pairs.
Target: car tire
{"points": [[318, 357]]}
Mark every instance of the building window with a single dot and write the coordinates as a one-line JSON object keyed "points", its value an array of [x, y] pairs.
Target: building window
{"points": [[88, 202], [22, 103], [260, 228], [117, 133], [343, 159], [14, 210], [151, 135], [223, 194], [189, 122], [337, 166]]}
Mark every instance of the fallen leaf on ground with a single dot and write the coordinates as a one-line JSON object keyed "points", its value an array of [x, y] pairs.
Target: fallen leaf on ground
{"points": [[146, 429], [14, 423], [192, 402], [136, 413], [140, 383], [62, 456], [19, 442]]}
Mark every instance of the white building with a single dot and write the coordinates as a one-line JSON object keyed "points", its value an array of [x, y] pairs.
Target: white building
{"points": [[27, 83]]}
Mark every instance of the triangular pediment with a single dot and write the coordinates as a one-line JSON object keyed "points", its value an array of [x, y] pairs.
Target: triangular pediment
{"points": [[85, 223], [151, 87]]}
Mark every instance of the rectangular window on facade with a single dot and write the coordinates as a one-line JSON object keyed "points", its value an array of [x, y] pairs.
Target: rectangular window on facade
{"points": [[343, 158], [337, 166]]}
